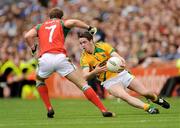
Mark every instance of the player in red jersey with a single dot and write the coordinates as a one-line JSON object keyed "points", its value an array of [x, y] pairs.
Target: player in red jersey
{"points": [[52, 57]]}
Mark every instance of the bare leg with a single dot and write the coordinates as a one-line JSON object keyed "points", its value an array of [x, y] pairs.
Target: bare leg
{"points": [[138, 87], [118, 91], [76, 79]]}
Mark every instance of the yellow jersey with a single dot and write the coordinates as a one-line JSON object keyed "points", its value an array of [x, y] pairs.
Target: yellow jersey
{"points": [[101, 54]]}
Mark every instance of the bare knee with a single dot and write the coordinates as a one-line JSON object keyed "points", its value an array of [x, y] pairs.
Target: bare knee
{"points": [[76, 79], [124, 97]]}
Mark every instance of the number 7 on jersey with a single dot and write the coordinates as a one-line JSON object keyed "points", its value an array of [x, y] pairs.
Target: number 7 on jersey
{"points": [[51, 28]]}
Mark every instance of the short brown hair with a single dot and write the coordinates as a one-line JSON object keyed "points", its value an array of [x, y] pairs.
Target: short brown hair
{"points": [[85, 34], [55, 13]]}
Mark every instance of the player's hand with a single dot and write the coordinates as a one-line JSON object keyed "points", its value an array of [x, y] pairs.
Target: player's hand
{"points": [[34, 49], [92, 30], [99, 69]]}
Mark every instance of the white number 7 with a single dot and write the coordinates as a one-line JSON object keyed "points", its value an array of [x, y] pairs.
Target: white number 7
{"points": [[52, 28]]}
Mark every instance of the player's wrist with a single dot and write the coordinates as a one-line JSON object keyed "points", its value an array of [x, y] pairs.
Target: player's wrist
{"points": [[89, 28], [33, 49], [95, 71], [92, 30]]}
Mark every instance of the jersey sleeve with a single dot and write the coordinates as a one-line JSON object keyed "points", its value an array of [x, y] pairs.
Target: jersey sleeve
{"points": [[83, 62], [37, 27], [65, 29], [108, 48]]}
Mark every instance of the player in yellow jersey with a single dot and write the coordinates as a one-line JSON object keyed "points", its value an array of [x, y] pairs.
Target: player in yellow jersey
{"points": [[93, 60]]}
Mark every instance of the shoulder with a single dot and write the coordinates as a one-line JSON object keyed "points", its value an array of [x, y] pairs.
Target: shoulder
{"points": [[64, 24], [101, 44]]}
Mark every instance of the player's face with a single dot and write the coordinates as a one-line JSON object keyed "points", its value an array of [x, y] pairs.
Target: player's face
{"points": [[87, 45]]}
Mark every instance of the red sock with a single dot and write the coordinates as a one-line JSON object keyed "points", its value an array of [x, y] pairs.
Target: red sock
{"points": [[43, 91], [92, 96]]}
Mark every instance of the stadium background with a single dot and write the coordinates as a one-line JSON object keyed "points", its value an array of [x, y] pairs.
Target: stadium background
{"points": [[145, 32]]}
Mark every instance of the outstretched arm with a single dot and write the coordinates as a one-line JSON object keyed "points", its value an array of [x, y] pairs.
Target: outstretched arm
{"points": [[80, 24], [75, 23]]}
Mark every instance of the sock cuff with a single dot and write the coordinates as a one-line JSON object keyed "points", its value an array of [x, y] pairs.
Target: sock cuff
{"points": [[85, 87], [155, 98], [40, 83], [146, 106]]}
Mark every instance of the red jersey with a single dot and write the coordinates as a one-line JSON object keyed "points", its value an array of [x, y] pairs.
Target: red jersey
{"points": [[51, 36]]}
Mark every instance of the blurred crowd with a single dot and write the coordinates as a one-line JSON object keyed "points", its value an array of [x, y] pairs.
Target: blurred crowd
{"points": [[142, 31]]}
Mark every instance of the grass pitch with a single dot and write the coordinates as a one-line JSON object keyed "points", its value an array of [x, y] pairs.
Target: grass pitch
{"points": [[17, 113]]}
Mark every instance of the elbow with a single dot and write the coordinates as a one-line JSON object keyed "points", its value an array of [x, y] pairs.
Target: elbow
{"points": [[29, 35], [26, 36]]}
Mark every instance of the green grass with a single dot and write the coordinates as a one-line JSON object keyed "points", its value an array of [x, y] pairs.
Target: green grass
{"points": [[17, 113]]}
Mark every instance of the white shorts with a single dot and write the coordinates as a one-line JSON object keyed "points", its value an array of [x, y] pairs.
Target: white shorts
{"points": [[50, 63], [124, 78]]}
